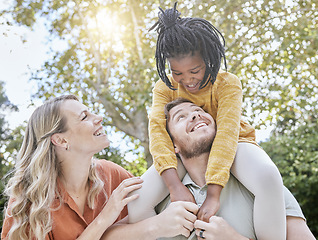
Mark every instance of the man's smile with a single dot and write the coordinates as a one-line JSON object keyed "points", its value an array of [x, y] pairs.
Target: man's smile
{"points": [[198, 125]]}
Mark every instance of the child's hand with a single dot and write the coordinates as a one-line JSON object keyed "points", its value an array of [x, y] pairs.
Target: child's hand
{"points": [[208, 209], [181, 193], [211, 204]]}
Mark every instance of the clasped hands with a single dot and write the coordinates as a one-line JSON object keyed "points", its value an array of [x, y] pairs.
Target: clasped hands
{"points": [[187, 215], [181, 218]]}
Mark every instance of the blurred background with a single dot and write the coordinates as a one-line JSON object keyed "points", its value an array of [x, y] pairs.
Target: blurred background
{"points": [[102, 51]]}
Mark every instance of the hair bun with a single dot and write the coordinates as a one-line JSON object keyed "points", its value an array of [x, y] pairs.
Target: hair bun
{"points": [[168, 18]]}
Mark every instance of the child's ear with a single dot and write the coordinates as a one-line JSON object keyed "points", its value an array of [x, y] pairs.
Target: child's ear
{"points": [[58, 140]]}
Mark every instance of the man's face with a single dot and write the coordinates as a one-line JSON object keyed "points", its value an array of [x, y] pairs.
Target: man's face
{"points": [[192, 129]]}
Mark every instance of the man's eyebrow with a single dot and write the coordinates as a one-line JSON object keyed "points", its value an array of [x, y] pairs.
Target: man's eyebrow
{"points": [[195, 106], [176, 113]]}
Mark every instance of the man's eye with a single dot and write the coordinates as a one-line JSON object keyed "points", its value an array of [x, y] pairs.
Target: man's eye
{"points": [[180, 117]]}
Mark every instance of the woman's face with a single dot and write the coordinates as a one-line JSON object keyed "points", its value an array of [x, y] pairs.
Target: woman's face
{"points": [[85, 133], [188, 71]]}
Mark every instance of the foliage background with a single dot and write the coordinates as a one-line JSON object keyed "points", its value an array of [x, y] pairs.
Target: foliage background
{"points": [[105, 55]]}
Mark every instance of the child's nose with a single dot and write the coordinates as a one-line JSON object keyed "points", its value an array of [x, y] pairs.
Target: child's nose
{"points": [[187, 80]]}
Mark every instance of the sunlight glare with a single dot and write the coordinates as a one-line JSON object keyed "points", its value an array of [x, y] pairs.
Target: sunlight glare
{"points": [[108, 27]]}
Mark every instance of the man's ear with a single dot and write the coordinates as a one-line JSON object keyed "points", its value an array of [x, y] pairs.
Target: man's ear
{"points": [[58, 140], [176, 149]]}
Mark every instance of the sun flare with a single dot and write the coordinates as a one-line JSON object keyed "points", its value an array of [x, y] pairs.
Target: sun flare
{"points": [[108, 27]]}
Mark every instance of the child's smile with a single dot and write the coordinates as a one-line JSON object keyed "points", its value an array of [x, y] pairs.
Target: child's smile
{"points": [[188, 70]]}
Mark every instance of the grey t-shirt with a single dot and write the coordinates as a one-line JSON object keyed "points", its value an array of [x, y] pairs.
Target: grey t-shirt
{"points": [[236, 206]]}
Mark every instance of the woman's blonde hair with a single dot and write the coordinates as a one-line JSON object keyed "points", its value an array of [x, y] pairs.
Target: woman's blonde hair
{"points": [[33, 186]]}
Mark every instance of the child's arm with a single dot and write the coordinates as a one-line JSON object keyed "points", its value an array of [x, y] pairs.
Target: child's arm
{"points": [[161, 146], [227, 97], [178, 192], [211, 204]]}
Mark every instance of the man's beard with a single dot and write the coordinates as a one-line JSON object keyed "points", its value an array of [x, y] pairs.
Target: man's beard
{"points": [[197, 148]]}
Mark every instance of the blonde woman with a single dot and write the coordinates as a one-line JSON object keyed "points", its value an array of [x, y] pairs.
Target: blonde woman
{"points": [[58, 190]]}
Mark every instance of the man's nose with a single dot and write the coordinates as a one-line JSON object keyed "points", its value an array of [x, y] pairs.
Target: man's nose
{"points": [[195, 115]]}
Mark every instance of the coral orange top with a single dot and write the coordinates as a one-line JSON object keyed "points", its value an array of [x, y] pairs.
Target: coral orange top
{"points": [[223, 100], [68, 223]]}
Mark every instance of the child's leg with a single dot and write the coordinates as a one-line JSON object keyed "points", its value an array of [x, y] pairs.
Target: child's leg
{"points": [[297, 229], [256, 171], [153, 191]]}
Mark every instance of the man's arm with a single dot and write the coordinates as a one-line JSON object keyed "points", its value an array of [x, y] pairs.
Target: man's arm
{"points": [[177, 219]]}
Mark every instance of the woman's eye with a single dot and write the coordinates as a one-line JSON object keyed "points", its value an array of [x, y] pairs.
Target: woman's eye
{"points": [[178, 74], [195, 72]]}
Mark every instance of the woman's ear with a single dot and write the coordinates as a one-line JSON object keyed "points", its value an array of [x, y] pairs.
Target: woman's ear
{"points": [[58, 140]]}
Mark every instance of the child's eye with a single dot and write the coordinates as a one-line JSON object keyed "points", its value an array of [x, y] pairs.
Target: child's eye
{"points": [[85, 116], [197, 71]]}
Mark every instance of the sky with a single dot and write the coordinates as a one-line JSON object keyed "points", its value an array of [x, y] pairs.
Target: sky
{"points": [[18, 58], [16, 61]]}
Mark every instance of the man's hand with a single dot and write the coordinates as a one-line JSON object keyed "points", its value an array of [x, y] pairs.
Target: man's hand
{"points": [[211, 204], [217, 228], [178, 219]]}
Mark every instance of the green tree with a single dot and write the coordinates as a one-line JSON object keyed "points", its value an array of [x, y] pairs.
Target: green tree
{"points": [[107, 57], [296, 155], [272, 47], [108, 53], [5, 137], [137, 167]]}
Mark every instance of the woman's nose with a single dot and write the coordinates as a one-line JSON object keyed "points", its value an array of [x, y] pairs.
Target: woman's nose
{"points": [[98, 119]]}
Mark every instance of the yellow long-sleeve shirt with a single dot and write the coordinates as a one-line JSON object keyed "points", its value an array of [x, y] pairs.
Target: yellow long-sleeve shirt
{"points": [[223, 100]]}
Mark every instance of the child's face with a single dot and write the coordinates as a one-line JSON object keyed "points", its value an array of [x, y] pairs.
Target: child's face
{"points": [[188, 70]]}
